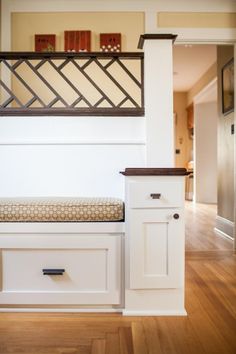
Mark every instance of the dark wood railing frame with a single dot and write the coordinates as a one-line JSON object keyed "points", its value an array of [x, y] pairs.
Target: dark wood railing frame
{"points": [[92, 110]]}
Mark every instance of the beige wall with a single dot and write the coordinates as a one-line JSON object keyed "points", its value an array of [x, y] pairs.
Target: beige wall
{"points": [[25, 25], [196, 20], [225, 146], [183, 142], [203, 81]]}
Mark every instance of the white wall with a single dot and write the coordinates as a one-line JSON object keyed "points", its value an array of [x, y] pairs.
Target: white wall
{"points": [[205, 147], [68, 156]]}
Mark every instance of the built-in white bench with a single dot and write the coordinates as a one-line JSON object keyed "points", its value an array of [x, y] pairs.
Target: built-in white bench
{"points": [[61, 251], [80, 255]]}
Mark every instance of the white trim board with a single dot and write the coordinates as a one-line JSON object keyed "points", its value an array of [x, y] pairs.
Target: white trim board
{"points": [[122, 5], [77, 310], [154, 313], [202, 35], [205, 92], [58, 228], [63, 141]]}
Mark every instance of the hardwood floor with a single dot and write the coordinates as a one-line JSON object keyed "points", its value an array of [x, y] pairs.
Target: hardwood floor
{"points": [[200, 223], [209, 328]]}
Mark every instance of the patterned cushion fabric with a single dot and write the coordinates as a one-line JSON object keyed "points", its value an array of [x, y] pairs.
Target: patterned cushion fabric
{"points": [[61, 209]]}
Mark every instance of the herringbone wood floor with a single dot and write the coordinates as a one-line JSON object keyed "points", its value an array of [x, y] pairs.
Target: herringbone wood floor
{"points": [[209, 328]]}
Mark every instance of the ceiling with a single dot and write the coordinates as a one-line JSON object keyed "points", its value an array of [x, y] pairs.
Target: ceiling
{"points": [[190, 63]]}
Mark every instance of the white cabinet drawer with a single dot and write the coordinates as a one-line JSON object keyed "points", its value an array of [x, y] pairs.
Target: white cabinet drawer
{"points": [[91, 273], [153, 194]]}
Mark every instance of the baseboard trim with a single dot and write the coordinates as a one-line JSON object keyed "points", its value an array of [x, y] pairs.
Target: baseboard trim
{"points": [[41, 309], [93, 310], [154, 313], [222, 234], [224, 227]]}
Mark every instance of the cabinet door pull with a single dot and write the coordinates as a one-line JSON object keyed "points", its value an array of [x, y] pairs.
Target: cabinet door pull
{"points": [[53, 271], [155, 195], [176, 216]]}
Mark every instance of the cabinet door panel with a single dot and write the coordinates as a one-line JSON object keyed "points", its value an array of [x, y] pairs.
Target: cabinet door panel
{"points": [[156, 249]]}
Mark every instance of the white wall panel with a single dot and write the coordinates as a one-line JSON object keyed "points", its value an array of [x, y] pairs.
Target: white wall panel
{"points": [[65, 129], [64, 156], [66, 170]]}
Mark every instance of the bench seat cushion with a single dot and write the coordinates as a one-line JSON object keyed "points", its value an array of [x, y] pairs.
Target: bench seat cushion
{"points": [[61, 209]]}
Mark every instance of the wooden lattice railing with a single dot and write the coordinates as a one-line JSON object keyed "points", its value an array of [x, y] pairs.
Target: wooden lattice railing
{"points": [[74, 84]]}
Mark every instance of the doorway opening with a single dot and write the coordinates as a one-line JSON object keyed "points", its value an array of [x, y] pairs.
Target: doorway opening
{"points": [[204, 140]]}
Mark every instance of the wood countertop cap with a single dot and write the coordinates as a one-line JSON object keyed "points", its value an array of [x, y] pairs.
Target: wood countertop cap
{"points": [[154, 172]]}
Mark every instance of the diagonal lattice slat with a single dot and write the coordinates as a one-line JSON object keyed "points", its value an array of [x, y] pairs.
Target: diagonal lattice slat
{"points": [[138, 83], [50, 87], [83, 72], [12, 96], [71, 84], [12, 69], [117, 83]]}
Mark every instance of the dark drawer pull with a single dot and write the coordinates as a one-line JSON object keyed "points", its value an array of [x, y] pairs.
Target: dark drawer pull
{"points": [[53, 271], [155, 195], [176, 216]]}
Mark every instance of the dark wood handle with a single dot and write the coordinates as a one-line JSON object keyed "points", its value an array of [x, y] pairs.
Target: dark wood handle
{"points": [[155, 195], [53, 271], [176, 216]]}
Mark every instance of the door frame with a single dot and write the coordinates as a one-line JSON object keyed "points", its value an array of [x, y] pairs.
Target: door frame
{"points": [[217, 36]]}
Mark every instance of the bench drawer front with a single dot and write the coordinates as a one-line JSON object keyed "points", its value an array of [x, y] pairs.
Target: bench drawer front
{"points": [[90, 274], [164, 194]]}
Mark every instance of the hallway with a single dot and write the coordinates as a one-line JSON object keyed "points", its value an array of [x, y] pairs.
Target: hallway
{"points": [[209, 327]]}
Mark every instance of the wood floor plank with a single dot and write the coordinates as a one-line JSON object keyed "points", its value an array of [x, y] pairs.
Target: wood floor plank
{"points": [[230, 264], [45, 350], [222, 271], [112, 343], [183, 336], [207, 322], [167, 344], [151, 334], [126, 340], [139, 340], [216, 292], [98, 346], [223, 291]]}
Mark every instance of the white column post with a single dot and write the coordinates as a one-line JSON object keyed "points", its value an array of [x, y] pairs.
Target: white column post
{"points": [[158, 86]]}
